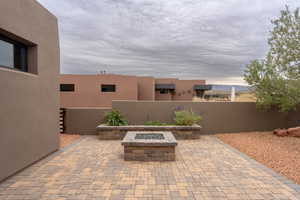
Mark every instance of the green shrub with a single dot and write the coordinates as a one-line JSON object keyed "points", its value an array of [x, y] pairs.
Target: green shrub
{"points": [[186, 118], [275, 79], [155, 123], [115, 118]]}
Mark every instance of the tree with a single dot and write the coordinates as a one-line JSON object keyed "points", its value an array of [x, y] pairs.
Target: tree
{"points": [[275, 80]]}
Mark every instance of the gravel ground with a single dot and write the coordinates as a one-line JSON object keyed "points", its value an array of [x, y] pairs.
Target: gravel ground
{"points": [[66, 139], [282, 154]]}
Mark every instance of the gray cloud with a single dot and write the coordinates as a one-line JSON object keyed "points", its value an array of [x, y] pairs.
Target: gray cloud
{"points": [[209, 39]]}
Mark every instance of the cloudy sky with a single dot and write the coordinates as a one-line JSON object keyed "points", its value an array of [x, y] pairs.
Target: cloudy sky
{"points": [[188, 39]]}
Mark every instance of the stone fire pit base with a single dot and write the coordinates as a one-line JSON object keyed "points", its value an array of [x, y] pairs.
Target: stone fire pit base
{"points": [[149, 153], [149, 146]]}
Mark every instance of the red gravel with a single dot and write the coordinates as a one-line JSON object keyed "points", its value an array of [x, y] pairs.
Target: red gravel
{"points": [[282, 154], [66, 139]]}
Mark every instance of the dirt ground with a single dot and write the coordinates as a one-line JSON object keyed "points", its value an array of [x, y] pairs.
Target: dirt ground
{"points": [[282, 154], [66, 139]]}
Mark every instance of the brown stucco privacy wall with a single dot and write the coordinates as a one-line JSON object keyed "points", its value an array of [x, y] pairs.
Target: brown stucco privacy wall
{"points": [[218, 117], [84, 120], [29, 103], [294, 118]]}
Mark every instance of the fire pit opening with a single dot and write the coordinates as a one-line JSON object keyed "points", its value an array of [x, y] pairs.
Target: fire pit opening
{"points": [[149, 136]]}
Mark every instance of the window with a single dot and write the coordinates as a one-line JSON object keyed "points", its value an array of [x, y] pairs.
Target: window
{"points": [[164, 91], [108, 88], [67, 87], [13, 54]]}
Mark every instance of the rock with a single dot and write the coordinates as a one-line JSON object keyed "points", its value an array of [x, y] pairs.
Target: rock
{"points": [[295, 132], [281, 132]]}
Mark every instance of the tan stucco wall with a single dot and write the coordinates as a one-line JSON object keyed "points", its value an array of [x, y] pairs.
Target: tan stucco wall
{"points": [[29, 102], [146, 90], [184, 89], [88, 94], [167, 96], [88, 90], [218, 117]]}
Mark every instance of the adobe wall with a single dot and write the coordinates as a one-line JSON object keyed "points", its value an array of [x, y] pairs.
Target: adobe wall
{"points": [[29, 120], [146, 88], [88, 90], [218, 117], [184, 89], [84, 120]]}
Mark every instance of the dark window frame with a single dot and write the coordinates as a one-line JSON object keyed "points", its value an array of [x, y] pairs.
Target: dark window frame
{"points": [[108, 88], [69, 87], [17, 46]]}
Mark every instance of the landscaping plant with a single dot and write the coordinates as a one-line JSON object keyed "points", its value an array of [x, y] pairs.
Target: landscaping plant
{"points": [[186, 118], [115, 118], [276, 79]]}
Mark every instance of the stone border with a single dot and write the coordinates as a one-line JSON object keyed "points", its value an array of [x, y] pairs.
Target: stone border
{"points": [[118, 132], [291, 184]]}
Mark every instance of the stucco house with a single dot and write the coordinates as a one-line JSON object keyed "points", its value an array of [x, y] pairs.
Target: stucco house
{"points": [[29, 79], [101, 89]]}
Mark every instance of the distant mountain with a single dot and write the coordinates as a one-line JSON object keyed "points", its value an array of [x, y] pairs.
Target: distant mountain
{"points": [[238, 88]]}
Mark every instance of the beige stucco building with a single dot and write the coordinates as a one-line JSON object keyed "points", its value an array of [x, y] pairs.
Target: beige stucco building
{"points": [[29, 75], [100, 90]]}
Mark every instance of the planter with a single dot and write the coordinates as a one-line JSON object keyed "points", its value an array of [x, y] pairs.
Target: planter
{"points": [[118, 132]]}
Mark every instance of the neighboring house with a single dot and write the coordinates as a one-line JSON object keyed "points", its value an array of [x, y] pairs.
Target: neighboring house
{"points": [[100, 90], [96, 90], [173, 89], [29, 72]]}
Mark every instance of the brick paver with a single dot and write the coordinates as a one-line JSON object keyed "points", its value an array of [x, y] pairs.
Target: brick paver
{"points": [[92, 169]]}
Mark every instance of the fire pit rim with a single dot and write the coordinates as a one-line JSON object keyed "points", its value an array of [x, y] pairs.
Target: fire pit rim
{"points": [[129, 139]]}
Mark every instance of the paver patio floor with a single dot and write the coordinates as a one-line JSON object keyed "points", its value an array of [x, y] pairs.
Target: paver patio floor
{"points": [[92, 169]]}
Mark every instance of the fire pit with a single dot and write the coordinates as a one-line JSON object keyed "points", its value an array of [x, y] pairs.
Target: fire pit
{"points": [[149, 136], [149, 146]]}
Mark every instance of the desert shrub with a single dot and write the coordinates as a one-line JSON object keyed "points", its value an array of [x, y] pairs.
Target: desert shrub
{"points": [[186, 118], [155, 123], [115, 118]]}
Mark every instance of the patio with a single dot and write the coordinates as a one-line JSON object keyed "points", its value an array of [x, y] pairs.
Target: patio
{"points": [[92, 169]]}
